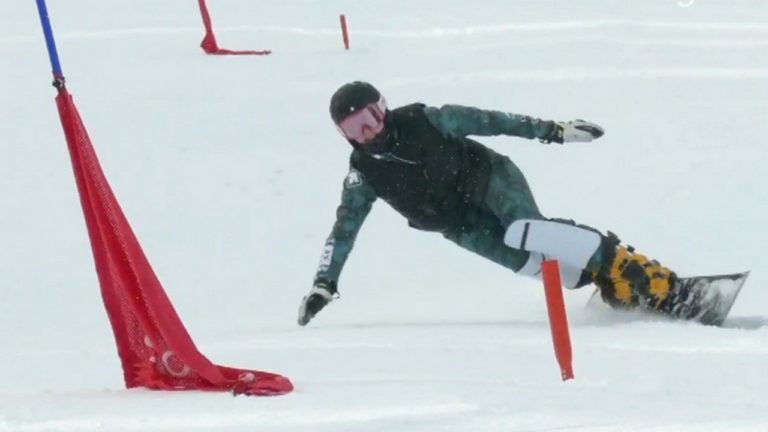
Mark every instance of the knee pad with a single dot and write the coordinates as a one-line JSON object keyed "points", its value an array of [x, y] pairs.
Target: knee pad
{"points": [[572, 277], [571, 244]]}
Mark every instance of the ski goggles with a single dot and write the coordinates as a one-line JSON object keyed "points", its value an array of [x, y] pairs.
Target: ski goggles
{"points": [[364, 124]]}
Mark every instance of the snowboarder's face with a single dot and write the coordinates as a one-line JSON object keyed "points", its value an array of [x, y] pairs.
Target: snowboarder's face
{"points": [[364, 125]]}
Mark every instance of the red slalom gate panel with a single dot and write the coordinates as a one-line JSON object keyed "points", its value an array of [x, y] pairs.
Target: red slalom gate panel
{"points": [[209, 43], [155, 350], [558, 320]]}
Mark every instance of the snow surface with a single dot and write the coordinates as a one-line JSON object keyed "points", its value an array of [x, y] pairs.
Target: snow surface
{"points": [[230, 172]]}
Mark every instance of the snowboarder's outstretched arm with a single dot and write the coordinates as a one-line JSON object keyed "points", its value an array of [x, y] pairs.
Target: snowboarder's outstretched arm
{"points": [[461, 121], [357, 198]]}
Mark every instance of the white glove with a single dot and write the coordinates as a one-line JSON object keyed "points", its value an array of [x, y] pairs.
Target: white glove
{"points": [[573, 131], [320, 295]]}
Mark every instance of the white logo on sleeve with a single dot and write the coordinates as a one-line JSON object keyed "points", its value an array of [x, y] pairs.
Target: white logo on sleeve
{"points": [[353, 179], [325, 258]]}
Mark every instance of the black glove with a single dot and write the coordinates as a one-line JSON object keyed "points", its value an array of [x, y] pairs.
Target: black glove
{"points": [[320, 295], [573, 131]]}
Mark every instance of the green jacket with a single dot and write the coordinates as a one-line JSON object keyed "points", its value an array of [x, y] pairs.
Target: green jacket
{"points": [[451, 122]]}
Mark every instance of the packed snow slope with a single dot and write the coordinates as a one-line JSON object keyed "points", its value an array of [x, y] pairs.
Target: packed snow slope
{"points": [[230, 171]]}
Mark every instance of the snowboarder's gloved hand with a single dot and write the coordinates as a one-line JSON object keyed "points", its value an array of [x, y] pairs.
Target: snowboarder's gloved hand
{"points": [[320, 295], [573, 131]]}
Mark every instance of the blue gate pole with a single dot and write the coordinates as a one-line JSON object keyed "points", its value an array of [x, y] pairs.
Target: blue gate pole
{"points": [[50, 42]]}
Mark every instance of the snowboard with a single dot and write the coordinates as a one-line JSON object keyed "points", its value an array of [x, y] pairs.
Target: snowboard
{"points": [[703, 299]]}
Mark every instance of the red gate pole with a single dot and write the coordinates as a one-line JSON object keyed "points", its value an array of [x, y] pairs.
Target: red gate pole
{"points": [[558, 320]]}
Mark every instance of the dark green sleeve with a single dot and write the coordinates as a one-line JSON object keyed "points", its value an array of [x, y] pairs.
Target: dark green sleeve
{"points": [[357, 198], [460, 121]]}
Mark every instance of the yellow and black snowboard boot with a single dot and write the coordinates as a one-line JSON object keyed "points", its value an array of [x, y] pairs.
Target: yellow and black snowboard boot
{"points": [[628, 279]]}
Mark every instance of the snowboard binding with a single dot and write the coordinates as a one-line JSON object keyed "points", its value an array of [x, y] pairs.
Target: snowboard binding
{"points": [[628, 279]]}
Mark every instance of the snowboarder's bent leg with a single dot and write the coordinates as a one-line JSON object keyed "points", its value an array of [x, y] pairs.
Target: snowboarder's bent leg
{"points": [[485, 237], [509, 198], [625, 278], [508, 195]]}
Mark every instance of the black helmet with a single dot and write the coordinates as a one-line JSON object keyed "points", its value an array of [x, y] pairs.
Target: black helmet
{"points": [[351, 97]]}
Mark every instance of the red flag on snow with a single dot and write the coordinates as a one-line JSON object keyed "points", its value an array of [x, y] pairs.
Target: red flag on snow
{"points": [[209, 44], [155, 349]]}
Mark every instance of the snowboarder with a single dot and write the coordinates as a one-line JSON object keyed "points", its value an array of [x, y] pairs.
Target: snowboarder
{"points": [[419, 160]]}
